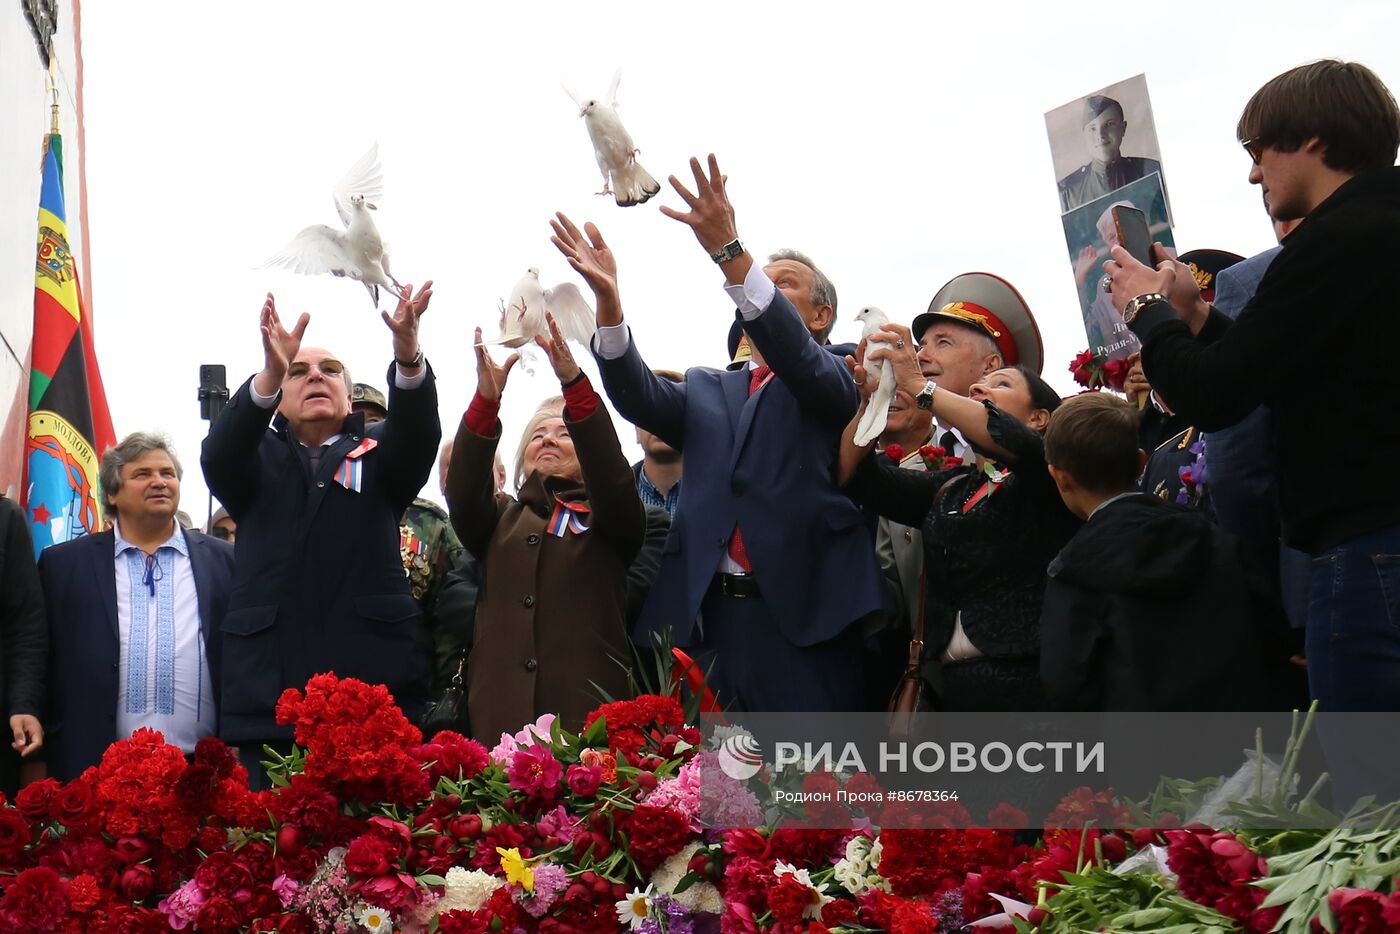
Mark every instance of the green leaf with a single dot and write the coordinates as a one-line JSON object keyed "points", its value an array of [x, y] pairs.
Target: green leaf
{"points": [[686, 881], [430, 879], [597, 732]]}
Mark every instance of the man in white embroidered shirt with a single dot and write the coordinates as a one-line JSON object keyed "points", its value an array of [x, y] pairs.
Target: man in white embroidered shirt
{"points": [[133, 616]]}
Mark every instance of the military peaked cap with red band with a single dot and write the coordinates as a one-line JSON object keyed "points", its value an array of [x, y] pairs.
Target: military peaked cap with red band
{"points": [[990, 304]]}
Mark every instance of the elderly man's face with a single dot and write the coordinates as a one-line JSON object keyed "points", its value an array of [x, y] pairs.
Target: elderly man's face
{"points": [[314, 389], [953, 356], [150, 489], [795, 281], [1104, 135]]}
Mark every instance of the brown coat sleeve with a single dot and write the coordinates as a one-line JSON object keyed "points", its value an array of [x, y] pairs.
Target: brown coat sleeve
{"points": [[471, 489], [617, 515]]}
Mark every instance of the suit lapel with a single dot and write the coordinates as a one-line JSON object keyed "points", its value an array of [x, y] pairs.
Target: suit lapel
{"points": [[204, 599], [736, 392], [746, 416], [104, 568]]}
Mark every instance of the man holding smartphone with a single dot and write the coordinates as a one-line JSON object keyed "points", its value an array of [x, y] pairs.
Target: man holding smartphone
{"points": [[1323, 139]]}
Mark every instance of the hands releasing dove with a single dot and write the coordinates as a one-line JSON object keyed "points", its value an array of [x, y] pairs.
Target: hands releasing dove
{"points": [[523, 318]]}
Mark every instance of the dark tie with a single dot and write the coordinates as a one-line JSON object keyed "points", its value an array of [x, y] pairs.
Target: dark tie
{"points": [[740, 555], [948, 441], [314, 456]]}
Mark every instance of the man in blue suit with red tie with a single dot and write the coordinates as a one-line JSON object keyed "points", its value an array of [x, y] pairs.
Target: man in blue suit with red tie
{"points": [[769, 569]]}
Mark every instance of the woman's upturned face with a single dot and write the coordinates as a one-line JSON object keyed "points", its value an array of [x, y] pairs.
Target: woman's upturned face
{"points": [[1008, 389], [550, 450]]}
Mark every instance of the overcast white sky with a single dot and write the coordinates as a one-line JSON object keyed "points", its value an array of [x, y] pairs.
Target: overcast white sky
{"points": [[898, 145]]}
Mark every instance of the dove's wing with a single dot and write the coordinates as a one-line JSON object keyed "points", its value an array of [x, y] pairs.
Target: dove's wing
{"points": [[872, 422], [568, 89], [317, 249], [573, 314], [612, 89], [364, 178]]}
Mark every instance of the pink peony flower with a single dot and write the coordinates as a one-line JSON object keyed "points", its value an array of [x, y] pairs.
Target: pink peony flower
{"points": [[182, 905], [533, 733], [534, 771]]}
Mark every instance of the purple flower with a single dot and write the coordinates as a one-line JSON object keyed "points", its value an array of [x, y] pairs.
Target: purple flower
{"points": [[550, 880]]}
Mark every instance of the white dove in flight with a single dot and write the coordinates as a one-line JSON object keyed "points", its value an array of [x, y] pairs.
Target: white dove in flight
{"points": [[623, 176], [523, 317], [872, 422], [357, 251]]}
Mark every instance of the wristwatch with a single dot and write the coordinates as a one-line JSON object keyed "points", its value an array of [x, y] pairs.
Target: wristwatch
{"points": [[731, 250], [413, 364], [924, 399], [1134, 306]]}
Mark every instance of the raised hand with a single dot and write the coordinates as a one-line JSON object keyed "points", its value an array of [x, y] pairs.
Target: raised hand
{"points": [[900, 348], [589, 255], [490, 377], [280, 347], [560, 356], [711, 216], [404, 321], [865, 384]]}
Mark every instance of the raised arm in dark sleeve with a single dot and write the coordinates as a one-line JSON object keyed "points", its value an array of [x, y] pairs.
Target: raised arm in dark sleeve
{"points": [[903, 496], [817, 378], [411, 433], [617, 514], [229, 455]]}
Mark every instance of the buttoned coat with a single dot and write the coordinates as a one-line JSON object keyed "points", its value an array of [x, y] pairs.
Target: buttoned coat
{"points": [[319, 583], [551, 617]]}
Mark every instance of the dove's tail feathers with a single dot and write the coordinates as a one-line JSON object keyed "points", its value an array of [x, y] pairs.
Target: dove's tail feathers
{"points": [[373, 293], [872, 422], [633, 185]]}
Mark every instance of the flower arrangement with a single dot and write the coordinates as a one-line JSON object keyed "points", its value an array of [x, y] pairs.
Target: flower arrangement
{"points": [[373, 828], [934, 457], [1097, 371]]}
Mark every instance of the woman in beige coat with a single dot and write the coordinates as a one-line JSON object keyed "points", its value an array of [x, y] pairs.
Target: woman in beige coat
{"points": [[551, 619]]}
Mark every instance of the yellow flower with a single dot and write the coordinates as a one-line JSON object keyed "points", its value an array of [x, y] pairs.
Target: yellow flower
{"points": [[516, 869]]}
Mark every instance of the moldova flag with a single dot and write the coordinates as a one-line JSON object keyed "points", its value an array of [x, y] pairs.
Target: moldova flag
{"points": [[69, 422]]}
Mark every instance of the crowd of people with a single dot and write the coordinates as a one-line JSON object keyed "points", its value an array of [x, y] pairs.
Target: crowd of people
{"points": [[999, 547]]}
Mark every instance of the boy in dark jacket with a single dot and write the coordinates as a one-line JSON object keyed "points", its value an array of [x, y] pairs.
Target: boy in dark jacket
{"points": [[1149, 607]]}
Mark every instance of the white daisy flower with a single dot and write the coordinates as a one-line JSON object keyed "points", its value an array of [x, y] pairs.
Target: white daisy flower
{"points": [[632, 910], [375, 920], [817, 897]]}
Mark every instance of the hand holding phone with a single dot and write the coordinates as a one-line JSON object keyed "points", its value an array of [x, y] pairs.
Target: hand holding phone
{"points": [[1133, 234]]}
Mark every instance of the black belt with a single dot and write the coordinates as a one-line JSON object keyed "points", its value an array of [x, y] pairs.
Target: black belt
{"points": [[734, 585]]}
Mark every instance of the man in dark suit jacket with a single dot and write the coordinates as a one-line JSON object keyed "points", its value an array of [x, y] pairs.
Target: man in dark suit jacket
{"points": [[23, 642], [320, 583], [133, 615], [760, 451]]}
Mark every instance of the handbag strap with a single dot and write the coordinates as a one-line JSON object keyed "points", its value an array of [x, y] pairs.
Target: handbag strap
{"points": [[918, 640], [459, 675]]}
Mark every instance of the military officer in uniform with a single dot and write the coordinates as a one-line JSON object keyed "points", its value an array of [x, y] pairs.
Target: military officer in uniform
{"points": [[429, 547], [1108, 169]]}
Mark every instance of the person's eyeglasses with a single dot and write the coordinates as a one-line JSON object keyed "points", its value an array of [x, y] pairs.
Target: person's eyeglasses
{"points": [[328, 367], [1255, 148], [220, 532]]}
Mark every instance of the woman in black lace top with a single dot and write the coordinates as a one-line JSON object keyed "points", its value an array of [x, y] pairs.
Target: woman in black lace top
{"points": [[990, 528]]}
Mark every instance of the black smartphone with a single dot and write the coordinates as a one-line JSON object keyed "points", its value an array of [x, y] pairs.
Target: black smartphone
{"points": [[1133, 234], [213, 390]]}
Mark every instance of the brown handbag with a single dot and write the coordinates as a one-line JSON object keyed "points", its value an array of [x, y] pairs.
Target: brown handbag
{"points": [[913, 695]]}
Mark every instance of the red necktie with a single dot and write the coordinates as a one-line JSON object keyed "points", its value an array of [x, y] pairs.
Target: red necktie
{"points": [[737, 552]]}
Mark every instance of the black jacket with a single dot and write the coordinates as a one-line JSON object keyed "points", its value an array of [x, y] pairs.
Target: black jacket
{"points": [[1150, 607], [1307, 346], [24, 634], [319, 583]]}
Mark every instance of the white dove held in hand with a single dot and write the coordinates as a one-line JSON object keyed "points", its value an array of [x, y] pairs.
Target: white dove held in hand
{"points": [[623, 176], [357, 251], [522, 318], [872, 421]]}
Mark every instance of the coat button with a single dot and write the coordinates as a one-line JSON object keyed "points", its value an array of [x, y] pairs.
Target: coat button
{"points": [[531, 665], [908, 535], [719, 542], [532, 539], [320, 484], [528, 601]]}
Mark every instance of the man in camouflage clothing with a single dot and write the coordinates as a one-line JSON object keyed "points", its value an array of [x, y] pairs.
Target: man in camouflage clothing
{"points": [[429, 549]]}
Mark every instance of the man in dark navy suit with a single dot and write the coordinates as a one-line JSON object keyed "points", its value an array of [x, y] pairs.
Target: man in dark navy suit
{"points": [[317, 497], [133, 615], [769, 568]]}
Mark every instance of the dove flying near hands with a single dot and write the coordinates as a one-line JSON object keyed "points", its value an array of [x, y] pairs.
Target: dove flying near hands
{"points": [[623, 176], [357, 251], [522, 319], [872, 422]]}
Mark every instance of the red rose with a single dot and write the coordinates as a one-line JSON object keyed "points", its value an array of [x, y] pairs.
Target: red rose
{"points": [[131, 849], [75, 806], [14, 833], [1082, 366], [894, 452], [137, 882], [219, 914], [35, 799]]}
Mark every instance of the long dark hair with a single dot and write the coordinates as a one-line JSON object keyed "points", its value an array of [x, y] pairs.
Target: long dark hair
{"points": [[1042, 396]]}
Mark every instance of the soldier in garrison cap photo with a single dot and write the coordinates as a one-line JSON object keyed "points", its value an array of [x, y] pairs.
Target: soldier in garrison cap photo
{"points": [[1107, 169]]}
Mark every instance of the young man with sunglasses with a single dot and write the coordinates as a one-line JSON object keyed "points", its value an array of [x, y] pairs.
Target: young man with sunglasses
{"points": [[1312, 344], [317, 497]]}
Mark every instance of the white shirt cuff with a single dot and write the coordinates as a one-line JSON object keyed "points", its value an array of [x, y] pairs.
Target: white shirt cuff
{"points": [[409, 382], [260, 400], [611, 341], [754, 296]]}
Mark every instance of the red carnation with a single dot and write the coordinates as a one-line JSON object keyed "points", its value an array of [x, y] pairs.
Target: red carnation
{"points": [[632, 722], [788, 899], [1115, 373], [894, 452], [34, 901], [1083, 366], [370, 856], [655, 833], [452, 755]]}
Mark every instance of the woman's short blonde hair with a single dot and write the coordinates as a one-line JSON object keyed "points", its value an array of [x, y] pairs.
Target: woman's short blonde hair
{"points": [[553, 407]]}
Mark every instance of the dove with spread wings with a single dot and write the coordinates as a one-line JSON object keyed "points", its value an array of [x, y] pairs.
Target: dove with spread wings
{"points": [[358, 251], [623, 176], [522, 319]]}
